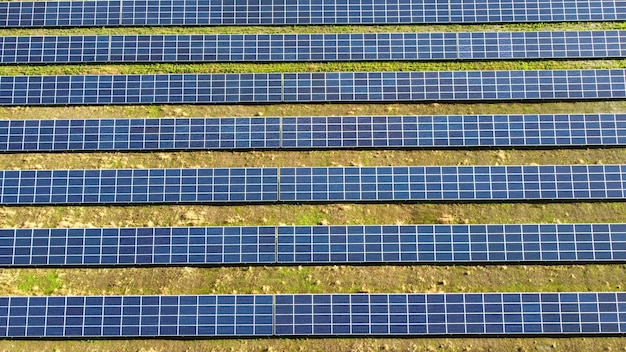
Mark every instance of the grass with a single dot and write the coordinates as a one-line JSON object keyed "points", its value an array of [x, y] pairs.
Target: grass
{"points": [[309, 279], [318, 158], [317, 279], [150, 111], [38, 282], [512, 27], [181, 68], [207, 215], [331, 345]]}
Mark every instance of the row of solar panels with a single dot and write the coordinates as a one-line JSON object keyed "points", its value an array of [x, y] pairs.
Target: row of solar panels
{"points": [[317, 184], [457, 131], [312, 47], [597, 313], [314, 87], [414, 244], [291, 12]]}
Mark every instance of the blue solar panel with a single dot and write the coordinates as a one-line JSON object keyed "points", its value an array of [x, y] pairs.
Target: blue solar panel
{"points": [[313, 132], [291, 12], [138, 246], [321, 184], [139, 186], [451, 243], [447, 131], [144, 89], [316, 315], [450, 314], [314, 87], [140, 134], [314, 244], [312, 47], [452, 183], [111, 316]]}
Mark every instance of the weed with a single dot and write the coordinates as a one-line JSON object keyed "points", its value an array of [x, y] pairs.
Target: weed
{"points": [[45, 283]]}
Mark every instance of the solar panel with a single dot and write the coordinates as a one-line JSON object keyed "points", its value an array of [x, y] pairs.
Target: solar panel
{"points": [[111, 316], [320, 184], [455, 131], [140, 134], [138, 246], [311, 47], [268, 12], [139, 186], [450, 243], [450, 314], [313, 245], [452, 183], [314, 87], [315, 315], [449, 131], [140, 89]]}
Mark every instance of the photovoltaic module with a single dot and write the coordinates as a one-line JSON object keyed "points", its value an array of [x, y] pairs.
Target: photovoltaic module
{"points": [[312, 47], [337, 244], [316, 132], [301, 12], [533, 85], [456, 314], [318, 184]]}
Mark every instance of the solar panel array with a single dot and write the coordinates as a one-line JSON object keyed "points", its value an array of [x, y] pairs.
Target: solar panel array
{"points": [[139, 186], [450, 243], [450, 131], [313, 132], [314, 315], [313, 245], [448, 183], [311, 47], [141, 134], [451, 314], [128, 316], [286, 12], [319, 184], [138, 246], [314, 87]]}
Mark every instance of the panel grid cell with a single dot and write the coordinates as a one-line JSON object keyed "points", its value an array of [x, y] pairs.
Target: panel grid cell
{"points": [[139, 186], [311, 47], [283, 245], [572, 313], [310, 12], [314, 87], [452, 183], [313, 132]]}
